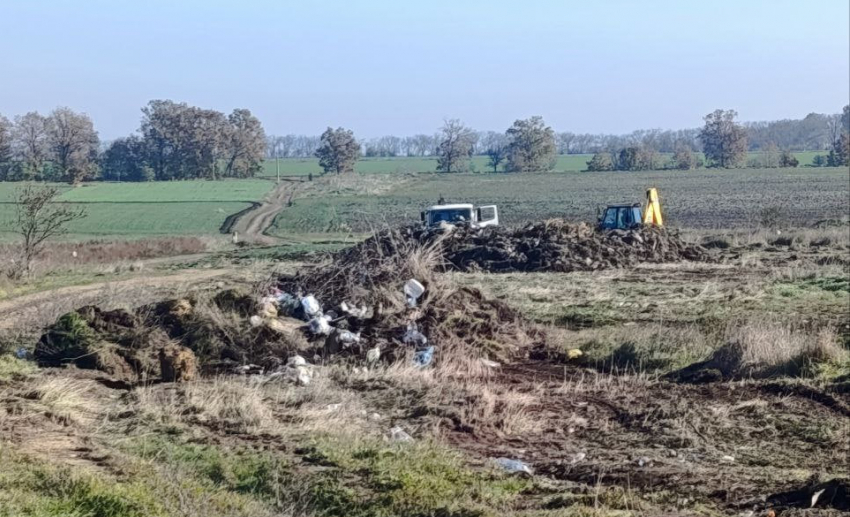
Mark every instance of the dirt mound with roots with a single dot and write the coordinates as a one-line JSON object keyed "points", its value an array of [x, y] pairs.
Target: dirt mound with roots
{"points": [[553, 245]]}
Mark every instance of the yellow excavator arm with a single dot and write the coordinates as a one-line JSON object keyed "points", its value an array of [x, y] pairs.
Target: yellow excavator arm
{"points": [[652, 213]]}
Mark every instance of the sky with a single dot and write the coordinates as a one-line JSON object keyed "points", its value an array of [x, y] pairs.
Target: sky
{"points": [[401, 67]]}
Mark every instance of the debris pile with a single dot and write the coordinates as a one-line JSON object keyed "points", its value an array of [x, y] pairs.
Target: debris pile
{"points": [[560, 246]]}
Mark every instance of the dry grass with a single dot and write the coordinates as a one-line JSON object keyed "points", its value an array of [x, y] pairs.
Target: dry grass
{"points": [[65, 399], [109, 253], [772, 347]]}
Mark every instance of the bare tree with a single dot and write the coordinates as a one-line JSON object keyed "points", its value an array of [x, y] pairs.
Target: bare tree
{"points": [[455, 149], [339, 151], [29, 137], [73, 144], [39, 218]]}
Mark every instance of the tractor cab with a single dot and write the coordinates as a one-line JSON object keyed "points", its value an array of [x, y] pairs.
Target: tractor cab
{"points": [[620, 217]]}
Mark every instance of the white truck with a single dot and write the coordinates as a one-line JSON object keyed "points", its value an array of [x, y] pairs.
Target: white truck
{"points": [[480, 217]]}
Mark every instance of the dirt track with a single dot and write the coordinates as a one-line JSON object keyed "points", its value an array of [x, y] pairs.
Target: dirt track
{"points": [[43, 307], [254, 223]]}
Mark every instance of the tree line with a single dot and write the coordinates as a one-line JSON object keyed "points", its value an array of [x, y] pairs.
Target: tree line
{"points": [[174, 141], [815, 132], [531, 145]]}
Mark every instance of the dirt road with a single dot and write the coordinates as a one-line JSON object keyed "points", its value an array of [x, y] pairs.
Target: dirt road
{"points": [[254, 223], [44, 307]]}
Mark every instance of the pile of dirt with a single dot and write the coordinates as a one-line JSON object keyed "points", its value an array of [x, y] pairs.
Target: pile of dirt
{"points": [[168, 340], [554, 245], [116, 342], [559, 246]]}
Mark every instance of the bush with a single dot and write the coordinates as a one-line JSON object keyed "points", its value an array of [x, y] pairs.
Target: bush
{"points": [[601, 162]]}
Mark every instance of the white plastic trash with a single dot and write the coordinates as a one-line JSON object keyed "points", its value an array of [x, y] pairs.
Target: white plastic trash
{"points": [[348, 338], [296, 360], [255, 320], [413, 290], [311, 306], [397, 434], [516, 466], [320, 325]]}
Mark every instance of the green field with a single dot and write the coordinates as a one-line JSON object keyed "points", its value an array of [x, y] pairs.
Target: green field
{"points": [[148, 209], [697, 199], [566, 163]]}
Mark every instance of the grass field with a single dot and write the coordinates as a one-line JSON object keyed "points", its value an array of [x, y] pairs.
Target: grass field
{"points": [[566, 163], [148, 209], [699, 199]]}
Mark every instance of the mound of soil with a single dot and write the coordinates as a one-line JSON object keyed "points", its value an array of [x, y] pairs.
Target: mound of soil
{"points": [[116, 342], [560, 246], [553, 245]]}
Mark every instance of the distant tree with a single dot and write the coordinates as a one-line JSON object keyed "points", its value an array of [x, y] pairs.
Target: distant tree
{"points": [[244, 144], [724, 141], [73, 144], [456, 145], [819, 161], [531, 146], [787, 159], [495, 156], [770, 156], [126, 160], [601, 162], [29, 141], [338, 151], [5, 147], [37, 219], [839, 155], [683, 159]]}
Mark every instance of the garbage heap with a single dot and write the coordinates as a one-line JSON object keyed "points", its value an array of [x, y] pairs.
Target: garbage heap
{"points": [[384, 297], [370, 305]]}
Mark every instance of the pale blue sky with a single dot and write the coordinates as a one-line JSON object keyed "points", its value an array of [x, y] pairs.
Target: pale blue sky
{"points": [[401, 67]]}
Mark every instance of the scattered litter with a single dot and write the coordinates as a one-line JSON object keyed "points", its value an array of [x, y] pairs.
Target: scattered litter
{"points": [[333, 407], [644, 461], [728, 459], [248, 369], [397, 434], [21, 353], [268, 310], [296, 360], [375, 416], [816, 495], [413, 290], [320, 326], [574, 353], [348, 338], [373, 355], [490, 364], [412, 336], [255, 320], [311, 306], [578, 457], [423, 358], [514, 466], [354, 312]]}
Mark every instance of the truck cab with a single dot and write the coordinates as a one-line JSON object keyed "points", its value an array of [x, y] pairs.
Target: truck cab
{"points": [[460, 214], [620, 217]]}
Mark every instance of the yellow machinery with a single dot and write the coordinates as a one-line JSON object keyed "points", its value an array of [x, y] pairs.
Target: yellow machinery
{"points": [[652, 212], [623, 217]]}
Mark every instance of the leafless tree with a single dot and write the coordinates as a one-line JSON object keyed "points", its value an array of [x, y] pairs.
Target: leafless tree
{"points": [[29, 137], [38, 218], [455, 149]]}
